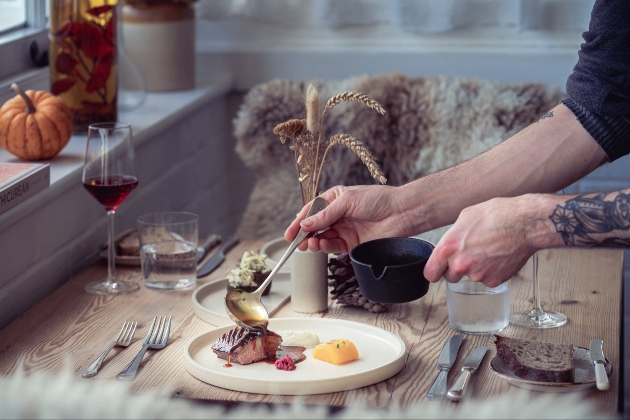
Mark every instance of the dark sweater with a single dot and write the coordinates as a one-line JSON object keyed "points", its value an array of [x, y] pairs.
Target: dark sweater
{"points": [[599, 88]]}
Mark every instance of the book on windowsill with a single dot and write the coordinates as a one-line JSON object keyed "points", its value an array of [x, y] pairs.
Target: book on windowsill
{"points": [[19, 181]]}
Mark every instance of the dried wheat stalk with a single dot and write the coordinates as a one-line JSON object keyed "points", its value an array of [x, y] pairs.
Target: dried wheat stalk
{"points": [[309, 149], [349, 95]]}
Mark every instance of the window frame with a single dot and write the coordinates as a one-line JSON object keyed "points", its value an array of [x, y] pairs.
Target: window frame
{"points": [[15, 43]]}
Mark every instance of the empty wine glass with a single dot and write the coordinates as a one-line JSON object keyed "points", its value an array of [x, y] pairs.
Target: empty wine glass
{"points": [[109, 175], [537, 317]]}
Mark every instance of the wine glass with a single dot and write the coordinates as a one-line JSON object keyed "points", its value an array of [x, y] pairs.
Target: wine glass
{"points": [[109, 175], [537, 317]]}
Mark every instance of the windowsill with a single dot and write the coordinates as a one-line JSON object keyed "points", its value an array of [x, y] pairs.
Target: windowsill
{"points": [[160, 110]]}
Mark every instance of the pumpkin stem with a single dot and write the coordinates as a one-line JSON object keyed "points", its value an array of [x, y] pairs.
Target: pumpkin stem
{"points": [[30, 107]]}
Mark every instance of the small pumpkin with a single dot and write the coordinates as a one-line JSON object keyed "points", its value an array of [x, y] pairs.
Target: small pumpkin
{"points": [[35, 125]]}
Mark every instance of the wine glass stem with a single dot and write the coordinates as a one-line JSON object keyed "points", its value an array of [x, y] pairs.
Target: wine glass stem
{"points": [[536, 282], [111, 250]]}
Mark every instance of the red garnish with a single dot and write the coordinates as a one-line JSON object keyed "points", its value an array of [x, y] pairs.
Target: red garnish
{"points": [[285, 364]]}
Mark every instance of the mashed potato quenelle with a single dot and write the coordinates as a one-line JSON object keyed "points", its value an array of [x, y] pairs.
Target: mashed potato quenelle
{"points": [[337, 352], [299, 338]]}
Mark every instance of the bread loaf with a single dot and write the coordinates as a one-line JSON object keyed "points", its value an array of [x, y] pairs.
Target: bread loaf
{"points": [[536, 361]]}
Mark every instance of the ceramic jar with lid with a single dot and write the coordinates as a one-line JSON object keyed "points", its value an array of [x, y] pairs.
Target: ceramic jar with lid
{"points": [[159, 36]]}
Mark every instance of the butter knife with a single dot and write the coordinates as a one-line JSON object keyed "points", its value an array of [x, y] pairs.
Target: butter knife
{"points": [[448, 355], [202, 250], [218, 257], [599, 362], [471, 364]]}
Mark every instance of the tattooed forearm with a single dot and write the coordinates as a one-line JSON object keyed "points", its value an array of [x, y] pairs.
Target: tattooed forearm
{"points": [[595, 220], [547, 115]]}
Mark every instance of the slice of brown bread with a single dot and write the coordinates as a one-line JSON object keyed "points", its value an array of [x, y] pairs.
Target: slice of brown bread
{"points": [[129, 245], [544, 362]]}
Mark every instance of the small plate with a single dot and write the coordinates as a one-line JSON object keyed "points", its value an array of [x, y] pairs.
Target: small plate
{"points": [[274, 250], [381, 356], [209, 304], [584, 374]]}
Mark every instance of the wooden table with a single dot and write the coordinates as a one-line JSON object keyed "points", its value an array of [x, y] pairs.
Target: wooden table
{"points": [[71, 327]]}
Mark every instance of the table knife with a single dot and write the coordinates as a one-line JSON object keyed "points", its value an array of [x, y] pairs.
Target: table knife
{"points": [[211, 241], [599, 362], [218, 257], [448, 355], [471, 364]]}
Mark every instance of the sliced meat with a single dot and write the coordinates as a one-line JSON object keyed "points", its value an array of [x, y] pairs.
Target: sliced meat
{"points": [[245, 347]]}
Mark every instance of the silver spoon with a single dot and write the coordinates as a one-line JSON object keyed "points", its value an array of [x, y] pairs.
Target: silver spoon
{"points": [[246, 309]]}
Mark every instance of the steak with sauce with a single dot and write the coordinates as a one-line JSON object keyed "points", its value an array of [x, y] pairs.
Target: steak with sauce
{"points": [[245, 347]]}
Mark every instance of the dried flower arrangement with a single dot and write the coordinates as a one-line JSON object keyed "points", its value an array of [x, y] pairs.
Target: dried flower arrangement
{"points": [[309, 150]]}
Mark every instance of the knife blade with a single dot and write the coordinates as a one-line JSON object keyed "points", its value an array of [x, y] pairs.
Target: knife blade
{"points": [[471, 364], [448, 355], [596, 354], [218, 257], [202, 250]]}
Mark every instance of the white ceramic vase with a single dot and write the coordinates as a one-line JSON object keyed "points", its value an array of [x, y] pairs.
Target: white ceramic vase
{"points": [[160, 39], [309, 281]]}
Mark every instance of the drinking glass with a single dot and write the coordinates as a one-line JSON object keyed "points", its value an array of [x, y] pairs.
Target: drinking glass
{"points": [[537, 317], [109, 175]]}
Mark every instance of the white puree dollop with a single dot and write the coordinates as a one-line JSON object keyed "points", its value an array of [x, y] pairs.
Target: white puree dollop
{"points": [[299, 338]]}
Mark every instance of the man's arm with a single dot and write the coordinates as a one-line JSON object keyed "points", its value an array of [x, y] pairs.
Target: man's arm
{"points": [[544, 157], [491, 241]]}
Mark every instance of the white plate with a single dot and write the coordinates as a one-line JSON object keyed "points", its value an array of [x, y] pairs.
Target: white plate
{"points": [[584, 374], [381, 356], [274, 250], [209, 304]]}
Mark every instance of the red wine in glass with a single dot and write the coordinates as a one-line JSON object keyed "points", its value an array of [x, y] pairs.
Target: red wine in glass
{"points": [[109, 175], [111, 191]]}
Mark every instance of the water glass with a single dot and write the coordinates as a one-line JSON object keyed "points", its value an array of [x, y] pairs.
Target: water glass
{"points": [[474, 308], [168, 249]]}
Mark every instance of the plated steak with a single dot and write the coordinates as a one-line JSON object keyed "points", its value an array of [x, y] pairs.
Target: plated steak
{"points": [[245, 346]]}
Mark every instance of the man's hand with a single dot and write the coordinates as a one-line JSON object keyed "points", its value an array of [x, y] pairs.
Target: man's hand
{"points": [[354, 215], [491, 241]]}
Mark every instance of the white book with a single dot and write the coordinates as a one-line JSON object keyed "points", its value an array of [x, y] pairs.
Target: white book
{"points": [[19, 181]]}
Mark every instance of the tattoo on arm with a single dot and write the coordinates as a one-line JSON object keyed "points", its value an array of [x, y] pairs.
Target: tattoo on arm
{"points": [[547, 115], [591, 220]]}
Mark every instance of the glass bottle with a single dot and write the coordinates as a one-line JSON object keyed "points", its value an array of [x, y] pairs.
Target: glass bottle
{"points": [[84, 61]]}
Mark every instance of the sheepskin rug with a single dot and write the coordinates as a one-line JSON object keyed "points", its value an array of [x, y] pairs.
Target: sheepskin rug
{"points": [[431, 123], [67, 396]]}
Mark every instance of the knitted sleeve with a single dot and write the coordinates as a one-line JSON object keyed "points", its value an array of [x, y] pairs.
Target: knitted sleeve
{"points": [[599, 87]]}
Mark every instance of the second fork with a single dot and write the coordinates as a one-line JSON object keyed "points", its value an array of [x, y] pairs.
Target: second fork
{"points": [[157, 338]]}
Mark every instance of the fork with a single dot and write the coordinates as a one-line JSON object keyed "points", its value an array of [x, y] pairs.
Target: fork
{"points": [[123, 339], [156, 339]]}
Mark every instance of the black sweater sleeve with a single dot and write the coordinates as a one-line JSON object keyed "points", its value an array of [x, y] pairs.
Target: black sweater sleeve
{"points": [[599, 88]]}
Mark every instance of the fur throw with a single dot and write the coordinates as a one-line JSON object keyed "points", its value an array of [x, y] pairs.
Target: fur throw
{"points": [[431, 123], [66, 396]]}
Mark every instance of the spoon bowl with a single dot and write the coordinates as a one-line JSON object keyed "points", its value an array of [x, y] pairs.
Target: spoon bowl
{"points": [[246, 309]]}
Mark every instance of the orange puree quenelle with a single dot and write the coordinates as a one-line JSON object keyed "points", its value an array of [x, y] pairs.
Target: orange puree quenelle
{"points": [[337, 352]]}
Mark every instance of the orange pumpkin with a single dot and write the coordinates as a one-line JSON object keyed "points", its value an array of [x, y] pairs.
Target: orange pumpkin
{"points": [[34, 125]]}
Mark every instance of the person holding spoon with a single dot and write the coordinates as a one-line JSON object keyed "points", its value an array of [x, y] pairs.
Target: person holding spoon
{"points": [[500, 201]]}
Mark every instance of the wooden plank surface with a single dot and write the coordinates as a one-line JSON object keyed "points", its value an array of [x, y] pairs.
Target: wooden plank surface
{"points": [[70, 328]]}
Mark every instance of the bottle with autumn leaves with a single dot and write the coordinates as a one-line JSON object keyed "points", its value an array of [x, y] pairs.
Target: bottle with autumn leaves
{"points": [[83, 63]]}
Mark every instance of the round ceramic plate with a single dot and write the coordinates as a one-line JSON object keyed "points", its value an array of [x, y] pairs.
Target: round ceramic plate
{"points": [[274, 250], [584, 374], [209, 304], [381, 356]]}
